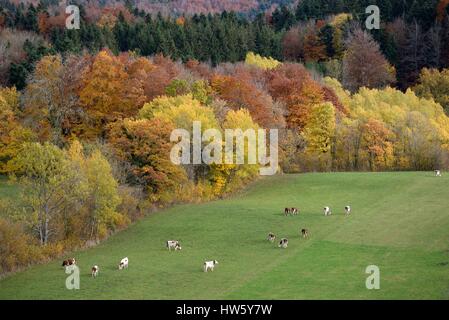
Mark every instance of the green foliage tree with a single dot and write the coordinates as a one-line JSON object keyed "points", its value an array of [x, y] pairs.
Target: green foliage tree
{"points": [[50, 186]]}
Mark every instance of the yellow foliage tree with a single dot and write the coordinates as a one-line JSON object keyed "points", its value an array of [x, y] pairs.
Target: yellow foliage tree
{"points": [[100, 192], [390, 129], [261, 62], [319, 134], [12, 134], [434, 84], [228, 177], [181, 111]]}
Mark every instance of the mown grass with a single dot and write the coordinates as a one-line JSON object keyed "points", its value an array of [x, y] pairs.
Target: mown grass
{"points": [[7, 189], [399, 222]]}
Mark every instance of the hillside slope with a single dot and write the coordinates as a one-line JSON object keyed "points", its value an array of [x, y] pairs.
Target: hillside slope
{"points": [[400, 223]]}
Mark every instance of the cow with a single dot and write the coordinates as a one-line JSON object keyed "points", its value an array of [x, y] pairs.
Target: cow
{"points": [[291, 211], [95, 270], [347, 210], [283, 243], [173, 244], [305, 233], [271, 237], [327, 211], [68, 262], [437, 173], [123, 263], [209, 265]]}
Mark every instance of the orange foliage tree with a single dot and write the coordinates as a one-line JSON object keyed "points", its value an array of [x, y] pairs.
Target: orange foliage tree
{"points": [[441, 9], [292, 84], [314, 48], [159, 77], [377, 142], [109, 92], [244, 94], [146, 145]]}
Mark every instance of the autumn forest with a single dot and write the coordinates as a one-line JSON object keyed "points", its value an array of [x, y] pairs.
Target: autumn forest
{"points": [[86, 114]]}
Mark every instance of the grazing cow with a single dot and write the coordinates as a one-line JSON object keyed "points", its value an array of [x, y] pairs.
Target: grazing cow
{"points": [[327, 211], [305, 233], [209, 265], [291, 211], [173, 244], [347, 210], [95, 270], [123, 264], [68, 262], [271, 237], [283, 243], [437, 173]]}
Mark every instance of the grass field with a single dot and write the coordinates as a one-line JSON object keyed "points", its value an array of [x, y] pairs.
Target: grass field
{"points": [[399, 222], [6, 189]]}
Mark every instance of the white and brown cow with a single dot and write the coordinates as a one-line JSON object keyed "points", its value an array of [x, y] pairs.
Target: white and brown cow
{"points": [[327, 211], [173, 244], [95, 270], [291, 211], [209, 265], [123, 263], [68, 262], [283, 243], [271, 237]]}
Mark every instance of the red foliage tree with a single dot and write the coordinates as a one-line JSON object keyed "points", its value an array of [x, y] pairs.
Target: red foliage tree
{"points": [[243, 94]]}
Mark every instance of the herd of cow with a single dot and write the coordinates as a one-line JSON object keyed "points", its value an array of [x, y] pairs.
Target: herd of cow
{"points": [[209, 265], [171, 244], [303, 232]]}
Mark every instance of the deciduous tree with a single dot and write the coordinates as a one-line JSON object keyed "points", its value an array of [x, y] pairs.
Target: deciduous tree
{"points": [[50, 185], [146, 145], [108, 92], [434, 84], [364, 65]]}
